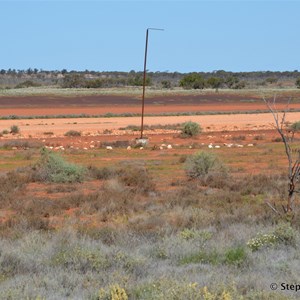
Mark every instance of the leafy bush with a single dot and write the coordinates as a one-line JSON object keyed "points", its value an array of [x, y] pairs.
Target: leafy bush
{"points": [[295, 127], [193, 81], [54, 168], [73, 133], [191, 129], [203, 164], [235, 256], [285, 233], [14, 129]]}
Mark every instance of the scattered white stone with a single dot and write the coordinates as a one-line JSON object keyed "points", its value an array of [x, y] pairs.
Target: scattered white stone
{"points": [[169, 147], [250, 145], [43, 141], [210, 146], [141, 148], [128, 148], [85, 148], [161, 148], [109, 148], [240, 146], [92, 146], [190, 147], [14, 148], [217, 146], [163, 145], [62, 148]]}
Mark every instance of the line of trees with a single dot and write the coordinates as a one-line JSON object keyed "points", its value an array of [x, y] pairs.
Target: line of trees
{"points": [[13, 78]]}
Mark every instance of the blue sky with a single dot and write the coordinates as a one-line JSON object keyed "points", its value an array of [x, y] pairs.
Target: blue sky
{"points": [[110, 35]]}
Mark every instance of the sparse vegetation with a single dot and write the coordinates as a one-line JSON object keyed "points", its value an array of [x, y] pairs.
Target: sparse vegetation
{"points": [[144, 224]]}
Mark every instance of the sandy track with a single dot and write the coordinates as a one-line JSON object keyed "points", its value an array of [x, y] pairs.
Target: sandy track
{"points": [[37, 127], [119, 109]]}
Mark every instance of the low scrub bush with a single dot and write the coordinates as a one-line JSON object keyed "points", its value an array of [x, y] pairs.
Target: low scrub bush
{"points": [[11, 183], [203, 164], [103, 173], [21, 144], [14, 129], [73, 133], [282, 234], [115, 292], [137, 178], [235, 256], [191, 129], [26, 84], [53, 168]]}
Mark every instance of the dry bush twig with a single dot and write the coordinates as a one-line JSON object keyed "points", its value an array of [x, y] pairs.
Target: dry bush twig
{"points": [[293, 160]]}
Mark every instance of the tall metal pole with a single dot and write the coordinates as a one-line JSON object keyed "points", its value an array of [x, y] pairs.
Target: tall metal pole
{"points": [[144, 79], [144, 84]]}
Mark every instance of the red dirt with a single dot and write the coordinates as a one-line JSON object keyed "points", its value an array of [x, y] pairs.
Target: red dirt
{"points": [[102, 104]]}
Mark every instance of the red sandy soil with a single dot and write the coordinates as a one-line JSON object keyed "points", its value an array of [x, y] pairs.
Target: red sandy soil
{"points": [[102, 104], [96, 126]]}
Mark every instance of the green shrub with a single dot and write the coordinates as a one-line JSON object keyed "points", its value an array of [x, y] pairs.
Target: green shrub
{"points": [[295, 127], [262, 240], [14, 129], [285, 233], [193, 81], [203, 257], [235, 256], [191, 129], [73, 133], [53, 168], [282, 234], [203, 164], [5, 131]]}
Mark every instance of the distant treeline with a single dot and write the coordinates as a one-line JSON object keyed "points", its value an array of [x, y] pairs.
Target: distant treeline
{"points": [[12, 78]]}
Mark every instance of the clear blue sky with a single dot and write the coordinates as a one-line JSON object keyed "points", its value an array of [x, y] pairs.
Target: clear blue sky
{"points": [[110, 35]]}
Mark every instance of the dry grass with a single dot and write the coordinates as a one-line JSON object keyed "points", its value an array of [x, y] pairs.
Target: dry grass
{"points": [[155, 241]]}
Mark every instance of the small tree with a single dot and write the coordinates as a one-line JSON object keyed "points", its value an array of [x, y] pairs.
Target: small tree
{"points": [[193, 81], [293, 155], [215, 82]]}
